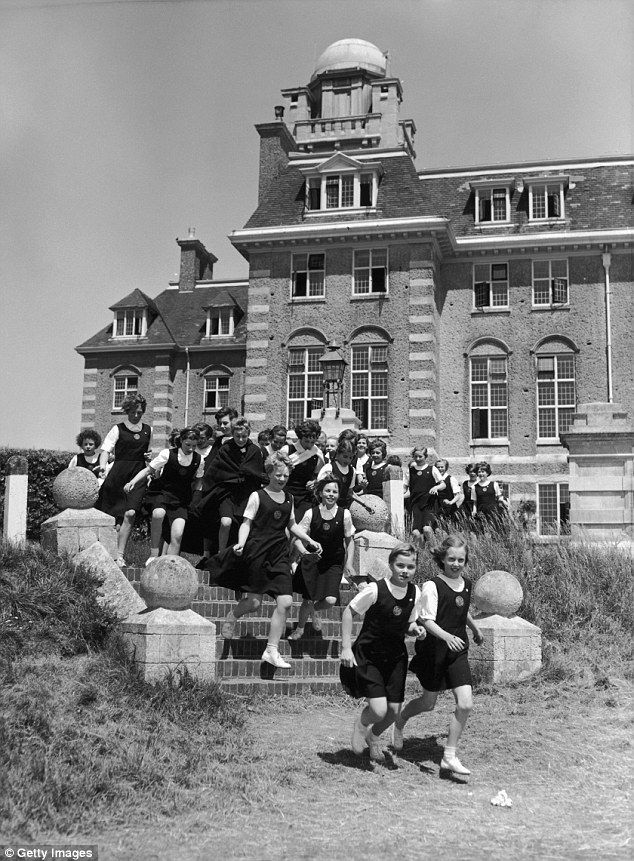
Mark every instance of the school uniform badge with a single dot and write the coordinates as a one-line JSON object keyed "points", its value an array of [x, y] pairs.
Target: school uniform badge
{"points": [[326, 527], [277, 515], [137, 436], [396, 611], [459, 601]]}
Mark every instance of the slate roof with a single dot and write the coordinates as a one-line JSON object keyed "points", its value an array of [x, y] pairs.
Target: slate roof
{"points": [[136, 299], [400, 195], [179, 320]]}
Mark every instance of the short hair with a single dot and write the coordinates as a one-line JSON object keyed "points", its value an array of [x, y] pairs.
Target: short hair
{"points": [[453, 540], [327, 479], [419, 448], [345, 445], [349, 434], [276, 459], [173, 437], [483, 465], [88, 433], [225, 411], [278, 429], [377, 443], [264, 437], [203, 428], [134, 400], [470, 469], [187, 433], [307, 428], [404, 548], [394, 460], [443, 460], [240, 422]]}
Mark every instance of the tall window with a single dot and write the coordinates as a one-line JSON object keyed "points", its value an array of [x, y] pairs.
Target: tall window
{"points": [[491, 285], [220, 321], [492, 204], [553, 509], [309, 272], [489, 397], [216, 393], [129, 323], [370, 272], [545, 201], [369, 385], [555, 395], [550, 282], [124, 385], [305, 390]]}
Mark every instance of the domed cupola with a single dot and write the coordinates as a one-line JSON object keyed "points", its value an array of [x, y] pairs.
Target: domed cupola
{"points": [[351, 55]]}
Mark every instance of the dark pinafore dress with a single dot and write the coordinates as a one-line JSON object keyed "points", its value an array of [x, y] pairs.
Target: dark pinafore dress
{"points": [[423, 505], [173, 489], [467, 507], [375, 475], [319, 577], [449, 513], [264, 567], [82, 463], [129, 460], [299, 478], [488, 513], [345, 483]]}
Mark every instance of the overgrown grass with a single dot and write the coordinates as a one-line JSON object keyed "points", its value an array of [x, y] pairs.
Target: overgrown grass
{"points": [[82, 738], [581, 596]]}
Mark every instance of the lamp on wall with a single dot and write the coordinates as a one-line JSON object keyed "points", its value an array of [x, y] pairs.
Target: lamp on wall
{"points": [[333, 366]]}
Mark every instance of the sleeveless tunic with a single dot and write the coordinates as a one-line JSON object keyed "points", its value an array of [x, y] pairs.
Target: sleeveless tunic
{"points": [[129, 460], [173, 490], [299, 478], [91, 467], [374, 475], [345, 481], [319, 577]]}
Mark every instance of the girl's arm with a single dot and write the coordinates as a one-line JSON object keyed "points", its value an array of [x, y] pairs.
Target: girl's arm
{"points": [[499, 497], [458, 496], [348, 568], [347, 656], [243, 534], [455, 643], [440, 484], [478, 639], [127, 488], [296, 530]]}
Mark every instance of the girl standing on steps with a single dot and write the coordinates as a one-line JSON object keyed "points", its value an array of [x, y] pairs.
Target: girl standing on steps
{"points": [[379, 656], [441, 658], [318, 578], [259, 563]]}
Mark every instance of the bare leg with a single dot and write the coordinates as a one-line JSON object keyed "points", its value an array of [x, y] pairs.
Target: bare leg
{"points": [[125, 530], [223, 532], [278, 619], [304, 612], [156, 529], [464, 704]]}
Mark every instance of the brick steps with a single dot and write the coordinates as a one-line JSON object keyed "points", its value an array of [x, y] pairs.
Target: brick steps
{"points": [[281, 687]]}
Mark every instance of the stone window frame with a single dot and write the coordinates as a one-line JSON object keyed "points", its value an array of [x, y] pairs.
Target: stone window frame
{"points": [[546, 193], [561, 502], [305, 270], [489, 349], [385, 267], [493, 302], [125, 373], [215, 373], [552, 287]]}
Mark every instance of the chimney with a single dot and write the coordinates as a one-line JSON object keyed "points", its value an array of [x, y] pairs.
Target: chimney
{"points": [[275, 144], [197, 264]]}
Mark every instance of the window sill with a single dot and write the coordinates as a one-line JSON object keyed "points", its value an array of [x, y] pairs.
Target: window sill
{"points": [[554, 441], [557, 222], [557, 307], [303, 300], [482, 312], [128, 338], [488, 443], [342, 210], [356, 297], [488, 224]]}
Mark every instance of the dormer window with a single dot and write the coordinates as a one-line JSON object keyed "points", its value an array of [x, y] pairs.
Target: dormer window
{"points": [[492, 201], [220, 321], [341, 183], [546, 198], [130, 323]]}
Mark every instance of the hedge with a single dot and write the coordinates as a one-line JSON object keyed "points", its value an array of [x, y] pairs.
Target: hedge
{"points": [[44, 466]]}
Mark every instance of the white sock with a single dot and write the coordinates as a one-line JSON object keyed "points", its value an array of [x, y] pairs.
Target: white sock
{"points": [[450, 753]]}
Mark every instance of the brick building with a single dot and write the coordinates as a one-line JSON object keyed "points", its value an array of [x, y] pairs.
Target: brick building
{"points": [[475, 306]]}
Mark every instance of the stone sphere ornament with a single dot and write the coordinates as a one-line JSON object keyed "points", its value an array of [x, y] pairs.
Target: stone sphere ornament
{"points": [[498, 592], [371, 514], [76, 488], [170, 582]]}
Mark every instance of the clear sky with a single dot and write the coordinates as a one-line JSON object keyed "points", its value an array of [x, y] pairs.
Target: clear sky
{"points": [[124, 122]]}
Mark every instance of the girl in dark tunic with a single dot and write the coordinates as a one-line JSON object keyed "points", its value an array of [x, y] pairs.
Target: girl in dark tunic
{"points": [[170, 494], [88, 441], [450, 499], [306, 460], [318, 578], [341, 470], [374, 470], [441, 659], [259, 564], [376, 666], [129, 441], [422, 485], [489, 503]]}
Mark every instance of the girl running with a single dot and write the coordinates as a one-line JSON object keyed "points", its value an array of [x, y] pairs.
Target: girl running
{"points": [[422, 485], [441, 659], [489, 502]]}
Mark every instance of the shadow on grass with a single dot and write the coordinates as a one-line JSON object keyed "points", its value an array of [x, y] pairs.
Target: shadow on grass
{"points": [[360, 762]]}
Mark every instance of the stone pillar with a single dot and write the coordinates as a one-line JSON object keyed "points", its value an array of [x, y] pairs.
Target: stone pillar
{"points": [[16, 485], [423, 348], [371, 552], [600, 445], [393, 494], [332, 423], [163, 402]]}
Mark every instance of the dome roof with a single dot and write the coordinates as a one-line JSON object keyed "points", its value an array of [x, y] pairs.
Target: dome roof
{"points": [[351, 54]]}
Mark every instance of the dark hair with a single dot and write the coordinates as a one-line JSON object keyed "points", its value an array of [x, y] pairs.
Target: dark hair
{"points": [[134, 400], [402, 549], [349, 434], [327, 479], [264, 437], [419, 448], [88, 433], [274, 460], [240, 422], [453, 540], [483, 465], [470, 469], [345, 446], [377, 443], [173, 438], [394, 460], [187, 433], [307, 428], [277, 429], [225, 411], [203, 428]]}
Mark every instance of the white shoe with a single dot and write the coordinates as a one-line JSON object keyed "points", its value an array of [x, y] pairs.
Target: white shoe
{"points": [[454, 765], [397, 736], [229, 626], [359, 736], [375, 743], [275, 659]]}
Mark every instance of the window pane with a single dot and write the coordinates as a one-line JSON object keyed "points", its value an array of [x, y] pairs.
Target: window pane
{"points": [[360, 358], [359, 385], [545, 394], [541, 269], [539, 202], [546, 424], [315, 261], [362, 281], [559, 270], [498, 394], [499, 204], [347, 191], [299, 287], [379, 354], [378, 280], [295, 413], [498, 423], [499, 272], [313, 360], [362, 258], [379, 414], [566, 394], [479, 396], [499, 294], [295, 387], [314, 387], [299, 262], [360, 408], [560, 290], [480, 272], [479, 424], [541, 292], [332, 192], [547, 494], [481, 294], [379, 257], [565, 420], [565, 367], [379, 385], [316, 284], [478, 369], [366, 190]]}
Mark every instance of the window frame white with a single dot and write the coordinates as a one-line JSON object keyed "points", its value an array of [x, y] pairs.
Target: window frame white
{"points": [[550, 278], [371, 252], [130, 316], [562, 498], [547, 185], [125, 391], [311, 373], [226, 320], [490, 281], [486, 194], [377, 369], [306, 270], [218, 390], [556, 406], [489, 407], [323, 180]]}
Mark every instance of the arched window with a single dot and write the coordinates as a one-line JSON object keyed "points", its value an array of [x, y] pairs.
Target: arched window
{"points": [[304, 378], [488, 383], [125, 382], [216, 379], [369, 376], [555, 387]]}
